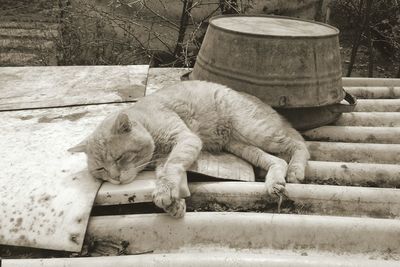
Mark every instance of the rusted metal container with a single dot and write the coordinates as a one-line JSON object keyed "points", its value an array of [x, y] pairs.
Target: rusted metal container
{"points": [[286, 62]]}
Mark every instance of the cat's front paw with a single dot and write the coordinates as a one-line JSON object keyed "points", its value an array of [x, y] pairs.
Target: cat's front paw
{"points": [[276, 187], [165, 194], [177, 209], [295, 173], [275, 180]]}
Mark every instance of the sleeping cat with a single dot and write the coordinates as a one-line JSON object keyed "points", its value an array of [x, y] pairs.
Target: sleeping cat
{"points": [[170, 127]]}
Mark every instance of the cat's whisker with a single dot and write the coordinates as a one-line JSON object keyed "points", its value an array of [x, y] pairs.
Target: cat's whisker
{"points": [[141, 165]]}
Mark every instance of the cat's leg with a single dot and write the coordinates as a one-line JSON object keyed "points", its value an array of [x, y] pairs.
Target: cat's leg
{"points": [[298, 151], [277, 140], [167, 192], [258, 124], [276, 167], [284, 142], [170, 176]]}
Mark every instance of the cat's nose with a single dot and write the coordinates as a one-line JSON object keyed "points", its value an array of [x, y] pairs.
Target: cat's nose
{"points": [[114, 173]]}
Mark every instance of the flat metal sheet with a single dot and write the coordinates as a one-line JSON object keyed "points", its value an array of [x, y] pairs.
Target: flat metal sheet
{"points": [[223, 166], [38, 87], [162, 77], [45, 200]]}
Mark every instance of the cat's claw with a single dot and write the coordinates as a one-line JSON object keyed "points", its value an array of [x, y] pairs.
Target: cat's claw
{"points": [[164, 195], [277, 189], [177, 209], [295, 173]]}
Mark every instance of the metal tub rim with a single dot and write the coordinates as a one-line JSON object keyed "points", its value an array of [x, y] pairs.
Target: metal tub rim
{"points": [[270, 35]]}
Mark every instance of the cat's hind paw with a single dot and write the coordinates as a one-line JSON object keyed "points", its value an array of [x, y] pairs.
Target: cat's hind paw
{"points": [[295, 173], [177, 209], [165, 194]]}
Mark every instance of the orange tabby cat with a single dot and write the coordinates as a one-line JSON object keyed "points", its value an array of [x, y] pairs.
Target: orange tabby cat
{"points": [[172, 126]]}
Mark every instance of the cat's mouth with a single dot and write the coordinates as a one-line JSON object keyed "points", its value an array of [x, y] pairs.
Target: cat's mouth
{"points": [[118, 182], [127, 181], [113, 181]]}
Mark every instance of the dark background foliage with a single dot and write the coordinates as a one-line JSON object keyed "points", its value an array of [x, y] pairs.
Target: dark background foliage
{"points": [[169, 33]]}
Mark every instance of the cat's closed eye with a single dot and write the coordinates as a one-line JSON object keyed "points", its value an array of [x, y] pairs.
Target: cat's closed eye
{"points": [[126, 157], [98, 172]]}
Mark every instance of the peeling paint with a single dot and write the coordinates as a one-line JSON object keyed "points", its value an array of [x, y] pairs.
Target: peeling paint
{"points": [[70, 117]]}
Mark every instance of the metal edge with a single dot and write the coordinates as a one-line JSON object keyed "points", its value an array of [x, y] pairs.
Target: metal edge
{"points": [[336, 34]]}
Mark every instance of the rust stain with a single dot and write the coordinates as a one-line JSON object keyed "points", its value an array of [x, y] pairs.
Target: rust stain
{"points": [[24, 118], [344, 166], [74, 238], [45, 198], [22, 238], [392, 93], [19, 222], [130, 93], [371, 138], [131, 199], [70, 117]]}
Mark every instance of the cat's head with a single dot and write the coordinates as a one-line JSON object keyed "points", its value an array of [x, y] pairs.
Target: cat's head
{"points": [[117, 150]]}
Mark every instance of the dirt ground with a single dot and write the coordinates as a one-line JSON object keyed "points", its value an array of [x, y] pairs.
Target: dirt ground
{"points": [[383, 67]]}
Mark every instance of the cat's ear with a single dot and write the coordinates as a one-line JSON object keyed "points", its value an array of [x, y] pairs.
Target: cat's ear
{"points": [[122, 124], [81, 147]]}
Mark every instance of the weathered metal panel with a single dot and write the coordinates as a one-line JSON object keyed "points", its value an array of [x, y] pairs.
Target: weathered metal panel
{"points": [[369, 82], [160, 232], [354, 152], [371, 119], [303, 199], [355, 134], [138, 191], [45, 201], [223, 166], [349, 173], [34, 87], [378, 105], [376, 92], [213, 257]]}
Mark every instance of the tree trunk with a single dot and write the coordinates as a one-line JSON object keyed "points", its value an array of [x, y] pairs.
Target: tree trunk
{"points": [[187, 7]]}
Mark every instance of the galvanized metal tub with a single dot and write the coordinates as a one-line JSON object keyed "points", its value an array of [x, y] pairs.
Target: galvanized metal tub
{"points": [[286, 62]]}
